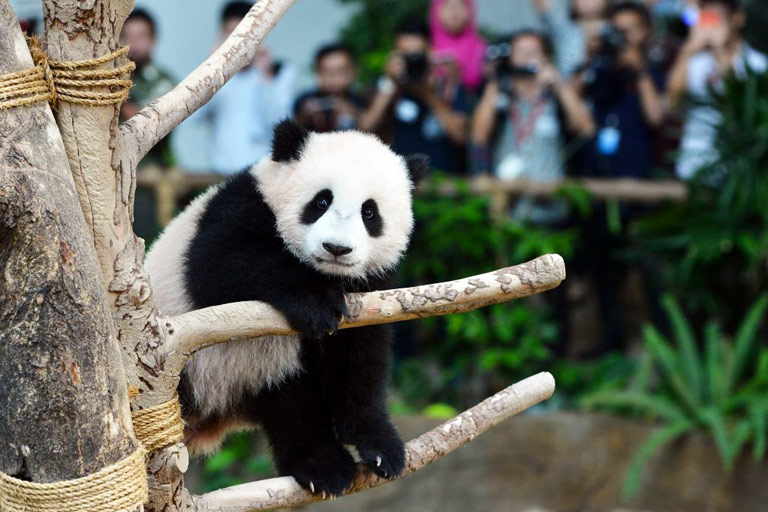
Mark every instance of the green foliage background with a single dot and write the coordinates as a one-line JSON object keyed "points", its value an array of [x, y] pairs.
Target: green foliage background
{"points": [[370, 31]]}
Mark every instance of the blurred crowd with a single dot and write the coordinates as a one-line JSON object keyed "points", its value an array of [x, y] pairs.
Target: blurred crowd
{"points": [[597, 89]]}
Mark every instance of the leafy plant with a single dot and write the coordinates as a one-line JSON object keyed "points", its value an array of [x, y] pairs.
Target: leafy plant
{"points": [[460, 358], [715, 245], [719, 385]]}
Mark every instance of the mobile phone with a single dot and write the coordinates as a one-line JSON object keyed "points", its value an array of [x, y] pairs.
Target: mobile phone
{"points": [[710, 18]]}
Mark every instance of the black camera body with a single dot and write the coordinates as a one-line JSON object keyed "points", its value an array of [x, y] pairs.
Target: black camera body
{"points": [[612, 41], [416, 67], [498, 55]]}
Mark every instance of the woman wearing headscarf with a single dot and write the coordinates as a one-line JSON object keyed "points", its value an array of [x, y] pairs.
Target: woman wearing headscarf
{"points": [[455, 38]]}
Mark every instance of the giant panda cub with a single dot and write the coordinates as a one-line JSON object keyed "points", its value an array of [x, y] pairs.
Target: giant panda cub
{"points": [[323, 215]]}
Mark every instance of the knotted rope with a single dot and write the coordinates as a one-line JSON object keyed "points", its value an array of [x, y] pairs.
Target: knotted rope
{"points": [[121, 487], [159, 426], [78, 82]]}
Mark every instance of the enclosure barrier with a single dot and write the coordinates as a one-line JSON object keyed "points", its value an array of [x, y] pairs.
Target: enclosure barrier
{"points": [[170, 186]]}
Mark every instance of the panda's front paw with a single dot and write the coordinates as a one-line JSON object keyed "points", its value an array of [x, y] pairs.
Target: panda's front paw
{"points": [[318, 314], [383, 453], [327, 472]]}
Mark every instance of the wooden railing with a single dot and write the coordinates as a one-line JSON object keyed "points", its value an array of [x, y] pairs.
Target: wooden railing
{"points": [[170, 185]]}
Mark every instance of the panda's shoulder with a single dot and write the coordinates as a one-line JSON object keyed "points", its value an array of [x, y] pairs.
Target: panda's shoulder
{"points": [[237, 204]]}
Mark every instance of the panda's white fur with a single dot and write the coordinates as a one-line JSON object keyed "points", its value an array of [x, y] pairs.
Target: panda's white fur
{"points": [[356, 167], [165, 261]]}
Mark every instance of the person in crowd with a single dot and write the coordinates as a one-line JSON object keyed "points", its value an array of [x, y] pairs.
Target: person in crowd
{"points": [[625, 91], [419, 105], [333, 104], [244, 111], [713, 49], [626, 94], [455, 39], [150, 81], [575, 35], [520, 125]]}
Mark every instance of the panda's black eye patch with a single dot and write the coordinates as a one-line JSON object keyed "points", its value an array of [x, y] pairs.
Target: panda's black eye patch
{"points": [[373, 222], [316, 207]]}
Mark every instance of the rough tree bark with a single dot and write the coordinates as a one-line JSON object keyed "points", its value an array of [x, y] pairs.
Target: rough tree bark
{"points": [[74, 294], [63, 396]]}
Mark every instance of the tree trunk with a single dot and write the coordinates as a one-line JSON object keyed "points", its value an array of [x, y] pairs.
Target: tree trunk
{"points": [[63, 396]]}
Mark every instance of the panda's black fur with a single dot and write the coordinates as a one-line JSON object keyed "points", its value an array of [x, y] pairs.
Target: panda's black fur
{"points": [[339, 396]]}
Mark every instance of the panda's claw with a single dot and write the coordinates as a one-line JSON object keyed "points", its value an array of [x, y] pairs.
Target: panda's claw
{"points": [[383, 454], [312, 487]]}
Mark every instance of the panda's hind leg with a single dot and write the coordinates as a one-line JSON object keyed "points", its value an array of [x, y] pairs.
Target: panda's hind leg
{"points": [[300, 429]]}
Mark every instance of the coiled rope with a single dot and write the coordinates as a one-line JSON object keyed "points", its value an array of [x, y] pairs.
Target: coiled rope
{"points": [[159, 426], [78, 82], [121, 487]]}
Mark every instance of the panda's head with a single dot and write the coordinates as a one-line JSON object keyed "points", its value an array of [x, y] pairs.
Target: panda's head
{"points": [[342, 200]]}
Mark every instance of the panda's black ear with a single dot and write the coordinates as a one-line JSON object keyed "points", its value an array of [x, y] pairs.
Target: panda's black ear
{"points": [[288, 141], [418, 167]]}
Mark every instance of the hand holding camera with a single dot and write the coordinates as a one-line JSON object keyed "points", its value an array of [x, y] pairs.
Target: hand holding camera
{"points": [[710, 31], [408, 68]]}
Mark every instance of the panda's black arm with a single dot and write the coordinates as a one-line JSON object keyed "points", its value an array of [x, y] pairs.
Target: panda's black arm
{"points": [[312, 304]]}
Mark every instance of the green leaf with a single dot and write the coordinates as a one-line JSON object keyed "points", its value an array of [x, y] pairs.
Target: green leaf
{"points": [[745, 339], [650, 404], [726, 444], [641, 380], [440, 411], [686, 343], [661, 351], [221, 460], [633, 479], [715, 364]]}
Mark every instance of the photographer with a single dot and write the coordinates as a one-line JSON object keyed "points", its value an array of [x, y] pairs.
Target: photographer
{"points": [[333, 105], [714, 48], [625, 93], [574, 33], [414, 109], [522, 119]]}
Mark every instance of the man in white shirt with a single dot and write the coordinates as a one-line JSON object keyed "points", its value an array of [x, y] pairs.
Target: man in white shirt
{"points": [[244, 111], [714, 48]]}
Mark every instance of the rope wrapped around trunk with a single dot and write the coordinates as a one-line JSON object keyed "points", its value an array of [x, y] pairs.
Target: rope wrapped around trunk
{"points": [[79, 82], [121, 487], [159, 426]]}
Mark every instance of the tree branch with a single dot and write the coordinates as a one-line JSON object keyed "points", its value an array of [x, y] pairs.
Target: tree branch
{"points": [[190, 332], [284, 492], [156, 120]]}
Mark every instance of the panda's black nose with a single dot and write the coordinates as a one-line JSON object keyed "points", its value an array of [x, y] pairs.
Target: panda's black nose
{"points": [[337, 250]]}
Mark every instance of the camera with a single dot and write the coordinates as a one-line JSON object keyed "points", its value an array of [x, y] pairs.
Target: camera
{"points": [[498, 55], [416, 67], [612, 41]]}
